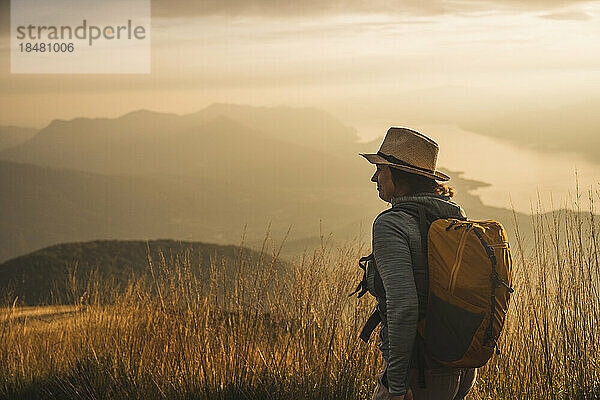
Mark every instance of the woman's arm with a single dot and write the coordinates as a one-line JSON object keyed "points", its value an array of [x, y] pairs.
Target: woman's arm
{"points": [[394, 263]]}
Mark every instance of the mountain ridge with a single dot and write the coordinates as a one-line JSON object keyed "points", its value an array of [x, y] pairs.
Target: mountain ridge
{"points": [[176, 145], [43, 276]]}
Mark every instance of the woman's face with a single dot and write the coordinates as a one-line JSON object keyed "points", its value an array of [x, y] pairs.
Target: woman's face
{"points": [[385, 184]]}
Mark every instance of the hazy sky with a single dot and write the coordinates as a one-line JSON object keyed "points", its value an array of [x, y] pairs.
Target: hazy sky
{"points": [[371, 64], [366, 62]]}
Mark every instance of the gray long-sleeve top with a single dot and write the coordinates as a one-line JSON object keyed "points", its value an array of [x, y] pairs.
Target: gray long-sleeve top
{"points": [[396, 243]]}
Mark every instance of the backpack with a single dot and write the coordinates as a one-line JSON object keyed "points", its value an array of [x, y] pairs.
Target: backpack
{"points": [[469, 269]]}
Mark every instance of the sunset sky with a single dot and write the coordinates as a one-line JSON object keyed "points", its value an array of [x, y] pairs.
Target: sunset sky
{"points": [[363, 61], [371, 64]]}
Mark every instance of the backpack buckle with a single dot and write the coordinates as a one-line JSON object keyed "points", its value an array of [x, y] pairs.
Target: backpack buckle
{"points": [[499, 282]]}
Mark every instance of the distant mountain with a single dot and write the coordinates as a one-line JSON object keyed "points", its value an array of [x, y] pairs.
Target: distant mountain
{"points": [[44, 206], [40, 207], [204, 176], [283, 146], [45, 276], [12, 135], [308, 127], [570, 128]]}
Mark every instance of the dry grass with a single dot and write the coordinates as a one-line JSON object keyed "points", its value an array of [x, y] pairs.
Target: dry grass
{"points": [[262, 338]]}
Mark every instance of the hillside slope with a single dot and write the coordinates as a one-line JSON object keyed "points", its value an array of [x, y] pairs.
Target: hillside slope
{"points": [[44, 206], [45, 276], [13, 135]]}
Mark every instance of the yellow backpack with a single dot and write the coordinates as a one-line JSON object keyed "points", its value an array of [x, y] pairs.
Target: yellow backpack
{"points": [[470, 272]]}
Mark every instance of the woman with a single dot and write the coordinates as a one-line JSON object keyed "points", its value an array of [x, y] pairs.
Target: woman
{"points": [[406, 173]]}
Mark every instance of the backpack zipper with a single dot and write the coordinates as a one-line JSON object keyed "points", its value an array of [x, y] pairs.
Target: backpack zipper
{"points": [[456, 266]]}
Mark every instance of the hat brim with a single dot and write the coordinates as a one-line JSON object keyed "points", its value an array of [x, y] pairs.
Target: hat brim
{"points": [[377, 159]]}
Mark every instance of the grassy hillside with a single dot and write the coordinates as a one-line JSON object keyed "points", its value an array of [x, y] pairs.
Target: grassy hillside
{"points": [[298, 338], [60, 273]]}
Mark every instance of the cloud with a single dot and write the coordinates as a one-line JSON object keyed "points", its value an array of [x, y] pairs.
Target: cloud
{"points": [[185, 8], [294, 8], [568, 16], [279, 8]]}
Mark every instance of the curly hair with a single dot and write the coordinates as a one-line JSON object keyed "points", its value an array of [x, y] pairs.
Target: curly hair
{"points": [[420, 183]]}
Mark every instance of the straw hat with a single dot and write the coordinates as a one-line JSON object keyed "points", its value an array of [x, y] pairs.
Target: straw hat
{"points": [[409, 151]]}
